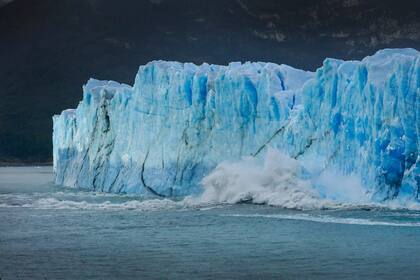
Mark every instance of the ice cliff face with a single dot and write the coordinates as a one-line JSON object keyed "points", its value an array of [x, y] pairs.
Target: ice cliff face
{"points": [[361, 117], [178, 121]]}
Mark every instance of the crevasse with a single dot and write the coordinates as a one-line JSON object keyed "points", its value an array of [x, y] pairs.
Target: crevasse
{"points": [[178, 121]]}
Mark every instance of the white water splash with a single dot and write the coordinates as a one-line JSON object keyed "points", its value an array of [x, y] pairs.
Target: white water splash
{"points": [[342, 188], [279, 180], [276, 181]]}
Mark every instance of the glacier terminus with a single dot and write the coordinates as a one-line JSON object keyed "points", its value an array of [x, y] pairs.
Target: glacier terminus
{"points": [[168, 131]]}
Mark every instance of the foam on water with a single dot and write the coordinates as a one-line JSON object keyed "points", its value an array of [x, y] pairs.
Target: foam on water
{"points": [[85, 201], [327, 219], [146, 205]]}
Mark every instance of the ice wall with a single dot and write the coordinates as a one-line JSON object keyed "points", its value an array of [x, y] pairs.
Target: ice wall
{"points": [[162, 135], [361, 117]]}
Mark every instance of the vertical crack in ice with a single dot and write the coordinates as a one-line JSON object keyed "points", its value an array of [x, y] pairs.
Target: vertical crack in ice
{"points": [[105, 149], [115, 179], [184, 140], [148, 188]]}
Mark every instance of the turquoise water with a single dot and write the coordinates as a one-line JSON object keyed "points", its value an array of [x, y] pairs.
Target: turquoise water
{"points": [[49, 232]]}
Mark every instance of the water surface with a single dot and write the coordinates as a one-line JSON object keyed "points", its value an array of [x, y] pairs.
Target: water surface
{"points": [[51, 232]]}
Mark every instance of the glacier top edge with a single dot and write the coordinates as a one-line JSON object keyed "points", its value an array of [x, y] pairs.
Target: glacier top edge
{"points": [[294, 78]]}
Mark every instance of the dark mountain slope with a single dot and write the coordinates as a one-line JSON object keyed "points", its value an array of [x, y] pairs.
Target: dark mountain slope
{"points": [[49, 48]]}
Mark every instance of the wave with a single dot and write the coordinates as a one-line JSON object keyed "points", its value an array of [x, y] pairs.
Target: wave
{"points": [[84, 201], [327, 219], [54, 203], [145, 205], [81, 200]]}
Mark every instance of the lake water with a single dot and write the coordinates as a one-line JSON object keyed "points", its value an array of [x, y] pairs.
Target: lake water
{"points": [[51, 232]]}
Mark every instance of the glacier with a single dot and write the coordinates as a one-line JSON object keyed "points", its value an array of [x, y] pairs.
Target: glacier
{"points": [[163, 135]]}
